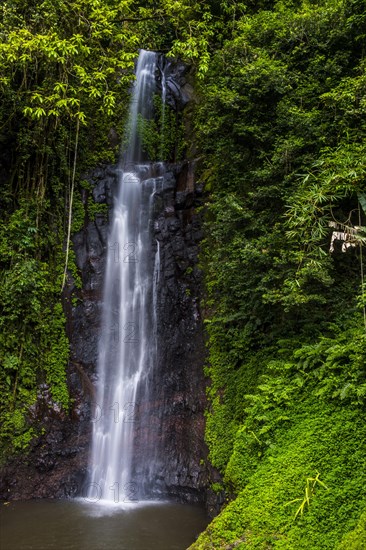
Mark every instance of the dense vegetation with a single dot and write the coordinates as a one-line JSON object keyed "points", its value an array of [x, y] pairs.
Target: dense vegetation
{"points": [[280, 130]]}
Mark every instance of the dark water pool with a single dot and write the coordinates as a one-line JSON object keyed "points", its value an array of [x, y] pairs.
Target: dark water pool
{"points": [[78, 525]]}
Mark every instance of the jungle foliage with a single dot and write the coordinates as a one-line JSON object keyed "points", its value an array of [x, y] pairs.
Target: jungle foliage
{"points": [[281, 129]]}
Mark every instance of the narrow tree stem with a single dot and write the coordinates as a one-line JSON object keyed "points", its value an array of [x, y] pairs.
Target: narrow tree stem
{"points": [[362, 273], [70, 204]]}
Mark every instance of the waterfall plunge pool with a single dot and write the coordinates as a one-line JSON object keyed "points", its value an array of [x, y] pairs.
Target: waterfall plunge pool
{"points": [[80, 525]]}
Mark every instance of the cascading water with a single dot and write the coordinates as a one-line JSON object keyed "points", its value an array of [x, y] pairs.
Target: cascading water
{"points": [[128, 345]]}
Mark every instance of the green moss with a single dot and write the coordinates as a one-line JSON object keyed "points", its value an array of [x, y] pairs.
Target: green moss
{"points": [[33, 346], [95, 209], [84, 212], [78, 213], [356, 539], [56, 357], [217, 487], [74, 270], [263, 516], [163, 136]]}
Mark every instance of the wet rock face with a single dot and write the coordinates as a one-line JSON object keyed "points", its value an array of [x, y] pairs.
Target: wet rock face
{"points": [[171, 423], [57, 465], [179, 91], [180, 336]]}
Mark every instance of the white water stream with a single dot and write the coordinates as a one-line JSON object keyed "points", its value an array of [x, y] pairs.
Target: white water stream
{"points": [[128, 344]]}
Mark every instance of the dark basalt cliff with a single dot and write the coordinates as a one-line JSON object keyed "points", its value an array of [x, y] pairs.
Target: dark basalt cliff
{"points": [[56, 466], [174, 413], [57, 463]]}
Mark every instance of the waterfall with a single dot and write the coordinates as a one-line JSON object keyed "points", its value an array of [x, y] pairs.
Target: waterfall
{"points": [[128, 343]]}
